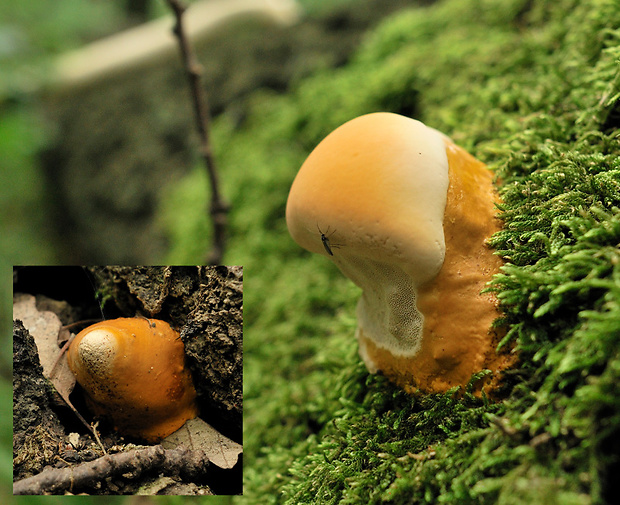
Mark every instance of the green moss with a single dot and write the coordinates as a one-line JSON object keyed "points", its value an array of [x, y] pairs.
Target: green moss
{"points": [[532, 88]]}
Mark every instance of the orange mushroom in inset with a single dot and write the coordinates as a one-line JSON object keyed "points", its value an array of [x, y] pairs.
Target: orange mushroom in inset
{"points": [[404, 213], [133, 373]]}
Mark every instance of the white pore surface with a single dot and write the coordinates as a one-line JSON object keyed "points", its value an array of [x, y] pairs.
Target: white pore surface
{"points": [[387, 311], [96, 352]]}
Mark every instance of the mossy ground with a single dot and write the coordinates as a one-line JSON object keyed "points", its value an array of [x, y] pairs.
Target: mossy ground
{"points": [[532, 88]]}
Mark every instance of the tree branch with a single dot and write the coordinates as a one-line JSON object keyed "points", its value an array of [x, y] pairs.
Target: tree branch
{"points": [[219, 208], [179, 461]]}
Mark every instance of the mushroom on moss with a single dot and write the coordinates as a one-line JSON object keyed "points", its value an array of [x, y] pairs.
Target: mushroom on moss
{"points": [[133, 373], [410, 212]]}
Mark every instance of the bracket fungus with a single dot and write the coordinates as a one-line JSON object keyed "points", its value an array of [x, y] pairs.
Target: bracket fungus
{"points": [[410, 212], [133, 373]]}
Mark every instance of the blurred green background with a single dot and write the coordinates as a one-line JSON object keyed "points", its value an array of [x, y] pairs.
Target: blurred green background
{"points": [[42, 132], [532, 87], [81, 156]]}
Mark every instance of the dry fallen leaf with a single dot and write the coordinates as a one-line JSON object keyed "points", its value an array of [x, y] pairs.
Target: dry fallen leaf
{"points": [[45, 328], [47, 331], [196, 434]]}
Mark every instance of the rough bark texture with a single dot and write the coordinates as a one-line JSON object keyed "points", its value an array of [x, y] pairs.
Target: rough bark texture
{"points": [[36, 428]]}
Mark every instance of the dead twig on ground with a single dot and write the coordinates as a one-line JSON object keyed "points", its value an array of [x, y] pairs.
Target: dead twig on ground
{"points": [[85, 476], [219, 209]]}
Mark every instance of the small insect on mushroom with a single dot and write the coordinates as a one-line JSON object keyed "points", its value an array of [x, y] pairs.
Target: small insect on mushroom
{"points": [[325, 239]]}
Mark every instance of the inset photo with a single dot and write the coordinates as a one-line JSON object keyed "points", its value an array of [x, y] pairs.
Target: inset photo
{"points": [[128, 380]]}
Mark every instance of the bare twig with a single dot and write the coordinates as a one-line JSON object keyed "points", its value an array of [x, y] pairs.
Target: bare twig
{"points": [[179, 461], [63, 393], [96, 433], [219, 209], [62, 352]]}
